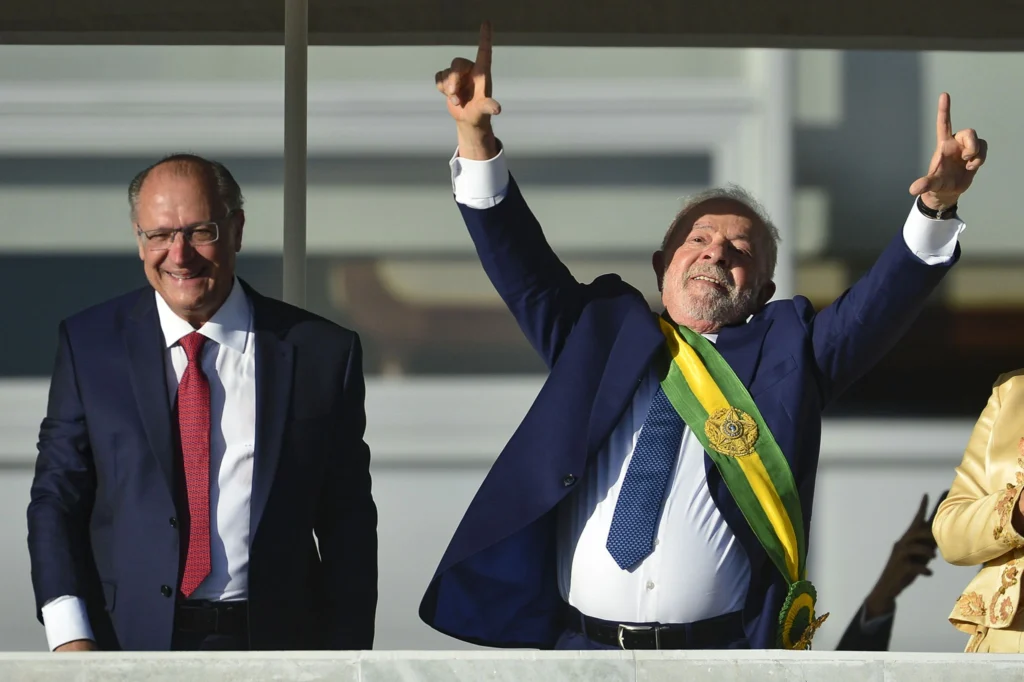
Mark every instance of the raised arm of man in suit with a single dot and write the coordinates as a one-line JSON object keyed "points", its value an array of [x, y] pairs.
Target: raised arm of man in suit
{"points": [[63, 574], [862, 325], [346, 524], [536, 286]]}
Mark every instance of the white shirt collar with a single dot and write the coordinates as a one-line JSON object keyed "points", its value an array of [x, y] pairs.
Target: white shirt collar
{"points": [[229, 326]]}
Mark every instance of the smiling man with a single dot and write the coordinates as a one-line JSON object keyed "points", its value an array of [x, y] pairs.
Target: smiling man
{"points": [[197, 435], [658, 493]]}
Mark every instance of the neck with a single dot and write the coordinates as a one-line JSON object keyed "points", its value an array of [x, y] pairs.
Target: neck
{"points": [[705, 327], [697, 325], [196, 319]]}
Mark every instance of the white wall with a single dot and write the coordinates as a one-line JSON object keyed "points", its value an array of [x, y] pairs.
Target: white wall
{"points": [[432, 442]]}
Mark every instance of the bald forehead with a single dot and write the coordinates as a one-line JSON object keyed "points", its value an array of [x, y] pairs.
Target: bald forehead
{"points": [[179, 169], [181, 175]]}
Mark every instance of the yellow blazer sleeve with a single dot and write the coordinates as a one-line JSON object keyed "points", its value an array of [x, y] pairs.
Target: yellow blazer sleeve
{"points": [[973, 524]]}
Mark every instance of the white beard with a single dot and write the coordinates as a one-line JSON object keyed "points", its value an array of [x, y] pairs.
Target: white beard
{"points": [[719, 308]]}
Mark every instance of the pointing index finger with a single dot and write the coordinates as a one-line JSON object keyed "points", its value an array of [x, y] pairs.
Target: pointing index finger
{"points": [[483, 50], [943, 123], [922, 510]]}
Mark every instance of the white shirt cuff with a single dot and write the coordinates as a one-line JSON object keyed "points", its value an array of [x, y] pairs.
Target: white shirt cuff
{"points": [[933, 241], [65, 621], [479, 184], [872, 626]]}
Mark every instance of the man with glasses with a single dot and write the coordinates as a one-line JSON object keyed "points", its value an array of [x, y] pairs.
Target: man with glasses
{"points": [[198, 435]]}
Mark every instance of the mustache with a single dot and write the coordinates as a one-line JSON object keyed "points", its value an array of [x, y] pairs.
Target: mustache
{"points": [[716, 272]]}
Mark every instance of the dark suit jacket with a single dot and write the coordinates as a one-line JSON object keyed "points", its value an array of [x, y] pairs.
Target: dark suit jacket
{"points": [[104, 486], [496, 584]]}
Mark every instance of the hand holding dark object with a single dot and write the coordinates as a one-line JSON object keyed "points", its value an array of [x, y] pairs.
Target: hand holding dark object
{"points": [[909, 559]]}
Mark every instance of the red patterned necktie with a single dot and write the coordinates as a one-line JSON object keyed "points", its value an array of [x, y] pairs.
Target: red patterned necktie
{"points": [[194, 427]]}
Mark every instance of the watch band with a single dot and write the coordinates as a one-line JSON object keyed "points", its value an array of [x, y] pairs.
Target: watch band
{"points": [[942, 214]]}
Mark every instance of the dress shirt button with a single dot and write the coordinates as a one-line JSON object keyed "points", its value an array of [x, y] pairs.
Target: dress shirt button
{"points": [[650, 584], [568, 480], [656, 542], [166, 590], [174, 522]]}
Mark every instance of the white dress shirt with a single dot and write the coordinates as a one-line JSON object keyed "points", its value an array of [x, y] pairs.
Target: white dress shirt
{"points": [[229, 363], [697, 569]]}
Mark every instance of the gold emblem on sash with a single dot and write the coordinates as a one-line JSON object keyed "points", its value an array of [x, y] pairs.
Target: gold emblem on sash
{"points": [[731, 432]]}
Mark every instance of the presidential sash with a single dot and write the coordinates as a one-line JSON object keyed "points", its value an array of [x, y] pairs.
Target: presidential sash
{"points": [[718, 409]]}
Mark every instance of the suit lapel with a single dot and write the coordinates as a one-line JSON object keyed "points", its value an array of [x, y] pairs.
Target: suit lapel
{"points": [[630, 356], [274, 360], [144, 343], [740, 345]]}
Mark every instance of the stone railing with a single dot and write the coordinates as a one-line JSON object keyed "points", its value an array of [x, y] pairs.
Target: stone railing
{"points": [[513, 666]]}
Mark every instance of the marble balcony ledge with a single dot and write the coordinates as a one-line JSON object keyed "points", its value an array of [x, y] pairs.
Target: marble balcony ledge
{"points": [[510, 666]]}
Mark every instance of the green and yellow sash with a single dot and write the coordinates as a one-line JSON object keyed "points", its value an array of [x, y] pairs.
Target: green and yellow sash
{"points": [[717, 407]]}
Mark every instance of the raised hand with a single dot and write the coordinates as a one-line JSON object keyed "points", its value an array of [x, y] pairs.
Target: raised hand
{"points": [[956, 160], [467, 86], [909, 559]]}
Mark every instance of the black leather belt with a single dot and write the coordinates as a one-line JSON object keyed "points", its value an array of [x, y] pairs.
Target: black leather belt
{"points": [[713, 633], [213, 618]]}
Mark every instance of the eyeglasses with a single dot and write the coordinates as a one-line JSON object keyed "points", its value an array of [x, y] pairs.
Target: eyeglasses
{"points": [[199, 234]]}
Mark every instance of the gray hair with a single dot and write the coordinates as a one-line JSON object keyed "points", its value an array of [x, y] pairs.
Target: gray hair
{"points": [[737, 195], [223, 183]]}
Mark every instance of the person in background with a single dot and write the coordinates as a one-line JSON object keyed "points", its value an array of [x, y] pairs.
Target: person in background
{"points": [[871, 628], [197, 435], [981, 523]]}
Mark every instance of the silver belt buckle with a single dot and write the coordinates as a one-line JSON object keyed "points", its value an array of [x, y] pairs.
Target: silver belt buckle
{"points": [[638, 628]]}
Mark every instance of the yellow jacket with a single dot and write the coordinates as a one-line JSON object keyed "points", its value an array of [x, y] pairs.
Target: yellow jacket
{"points": [[973, 525]]}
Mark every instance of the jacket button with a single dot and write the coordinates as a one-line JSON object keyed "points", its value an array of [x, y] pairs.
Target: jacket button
{"points": [[568, 480], [165, 590], [173, 522]]}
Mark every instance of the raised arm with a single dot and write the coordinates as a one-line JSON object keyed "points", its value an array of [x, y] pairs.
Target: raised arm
{"points": [[863, 324], [538, 289]]}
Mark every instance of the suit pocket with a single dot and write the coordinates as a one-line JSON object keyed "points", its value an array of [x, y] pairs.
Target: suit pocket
{"points": [[109, 590], [767, 379]]}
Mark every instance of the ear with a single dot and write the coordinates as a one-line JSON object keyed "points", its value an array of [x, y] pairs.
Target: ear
{"points": [[239, 220], [767, 291], [658, 263], [139, 242]]}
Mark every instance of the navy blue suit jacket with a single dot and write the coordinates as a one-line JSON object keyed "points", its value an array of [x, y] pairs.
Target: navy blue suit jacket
{"points": [[105, 485], [496, 584]]}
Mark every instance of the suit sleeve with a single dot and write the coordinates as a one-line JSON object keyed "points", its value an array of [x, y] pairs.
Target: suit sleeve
{"points": [[538, 289], [853, 333], [63, 491], [346, 524], [974, 524], [864, 635]]}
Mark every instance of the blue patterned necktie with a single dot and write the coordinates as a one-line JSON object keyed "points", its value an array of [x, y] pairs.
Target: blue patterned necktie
{"points": [[631, 536]]}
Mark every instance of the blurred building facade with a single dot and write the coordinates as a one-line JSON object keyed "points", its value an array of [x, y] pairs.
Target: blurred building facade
{"points": [[605, 144]]}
